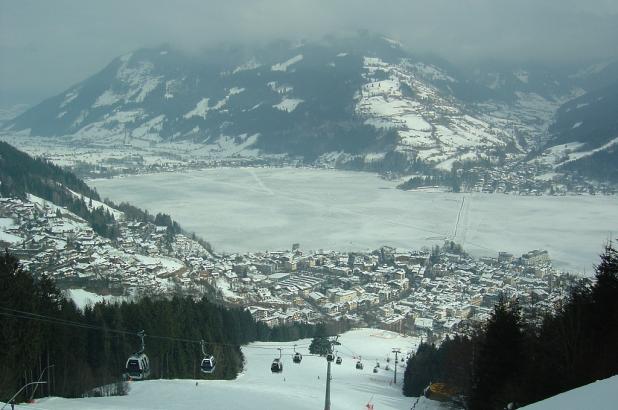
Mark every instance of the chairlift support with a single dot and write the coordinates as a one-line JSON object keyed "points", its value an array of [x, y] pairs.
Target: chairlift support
{"points": [[334, 354]]}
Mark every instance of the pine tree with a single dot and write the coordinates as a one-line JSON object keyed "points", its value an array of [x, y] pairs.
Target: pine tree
{"points": [[497, 369]]}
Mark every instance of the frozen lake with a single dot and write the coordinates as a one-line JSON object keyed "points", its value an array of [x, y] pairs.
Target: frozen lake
{"points": [[251, 209]]}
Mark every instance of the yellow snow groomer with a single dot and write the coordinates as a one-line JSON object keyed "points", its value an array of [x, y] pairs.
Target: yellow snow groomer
{"points": [[441, 392]]}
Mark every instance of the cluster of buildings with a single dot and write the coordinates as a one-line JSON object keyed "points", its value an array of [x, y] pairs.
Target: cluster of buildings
{"points": [[430, 293], [533, 178], [143, 259], [426, 293]]}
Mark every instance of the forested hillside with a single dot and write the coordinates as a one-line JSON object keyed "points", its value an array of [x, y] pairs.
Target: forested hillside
{"points": [[90, 348], [21, 174], [588, 127], [514, 360]]}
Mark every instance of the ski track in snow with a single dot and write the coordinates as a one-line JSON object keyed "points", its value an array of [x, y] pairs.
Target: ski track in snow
{"points": [[261, 183]]}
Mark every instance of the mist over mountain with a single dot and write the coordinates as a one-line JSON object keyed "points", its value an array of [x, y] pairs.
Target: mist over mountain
{"points": [[363, 100], [588, 128]]}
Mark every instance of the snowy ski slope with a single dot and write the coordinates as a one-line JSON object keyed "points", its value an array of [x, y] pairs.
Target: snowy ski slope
{"points": [[300, 386]]}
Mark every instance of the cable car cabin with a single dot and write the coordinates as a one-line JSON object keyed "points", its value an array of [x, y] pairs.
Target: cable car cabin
{"points": [[276, 366], [208, 365], [297, 357], [138, 366], [359, 365], [339, 360], [330, 357], [387, 367], [375, 369]]}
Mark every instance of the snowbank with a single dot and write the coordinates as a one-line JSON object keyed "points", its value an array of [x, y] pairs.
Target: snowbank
{"points": [[600, 395]]}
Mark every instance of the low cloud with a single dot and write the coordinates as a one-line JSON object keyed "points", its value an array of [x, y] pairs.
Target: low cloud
{"points": [[46, 46]]}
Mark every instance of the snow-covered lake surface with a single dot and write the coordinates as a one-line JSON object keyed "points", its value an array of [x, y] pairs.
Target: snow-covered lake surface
{"points": [[299, 386], [253, 209]]}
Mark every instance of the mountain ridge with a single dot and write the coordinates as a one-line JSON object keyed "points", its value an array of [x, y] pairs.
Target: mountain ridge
{"points": [[361, 102]]}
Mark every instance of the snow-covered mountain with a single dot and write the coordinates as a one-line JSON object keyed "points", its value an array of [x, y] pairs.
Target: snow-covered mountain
{"points": [[362, 100], [361, 96]]}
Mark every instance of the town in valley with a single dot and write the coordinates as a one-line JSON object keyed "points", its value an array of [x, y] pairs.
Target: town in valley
{"points": [[426, 292]]}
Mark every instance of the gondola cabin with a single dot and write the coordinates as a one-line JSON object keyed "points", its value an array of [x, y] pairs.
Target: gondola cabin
{"points": [[297, 358], [375, 369], [208, 365], [359, 365], [339, 360], [330, 357], [138, 366], [276, 366]]}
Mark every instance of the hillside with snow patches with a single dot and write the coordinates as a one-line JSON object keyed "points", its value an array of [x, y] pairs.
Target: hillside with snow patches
{"points": [[311, 100], [584, 136], [362, 99], [69, 250]]}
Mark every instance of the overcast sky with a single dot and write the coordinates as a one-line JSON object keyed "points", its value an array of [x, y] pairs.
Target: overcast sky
{"points": [[47, 45]]}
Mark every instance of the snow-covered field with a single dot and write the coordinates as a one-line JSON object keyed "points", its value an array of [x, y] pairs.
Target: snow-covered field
{"points": [[300, 386], [252, 209], [5, 225], [83, 298]]}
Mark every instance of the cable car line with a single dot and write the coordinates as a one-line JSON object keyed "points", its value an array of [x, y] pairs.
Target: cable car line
{"points": [[19, 314]]}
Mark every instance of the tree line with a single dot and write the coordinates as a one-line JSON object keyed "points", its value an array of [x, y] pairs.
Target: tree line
{"points": [[90, 347], [511, 360]]}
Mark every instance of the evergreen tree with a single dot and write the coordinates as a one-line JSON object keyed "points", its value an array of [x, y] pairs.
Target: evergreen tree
{"points": [[89, 351], [497, 371], [421, 370]]}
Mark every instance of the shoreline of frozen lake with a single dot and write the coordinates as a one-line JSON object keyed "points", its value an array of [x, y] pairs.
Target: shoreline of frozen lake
{"points": [[257, 209]]}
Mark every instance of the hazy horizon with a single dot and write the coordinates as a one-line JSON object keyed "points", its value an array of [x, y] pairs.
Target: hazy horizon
{"points": [[47, 46]]}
